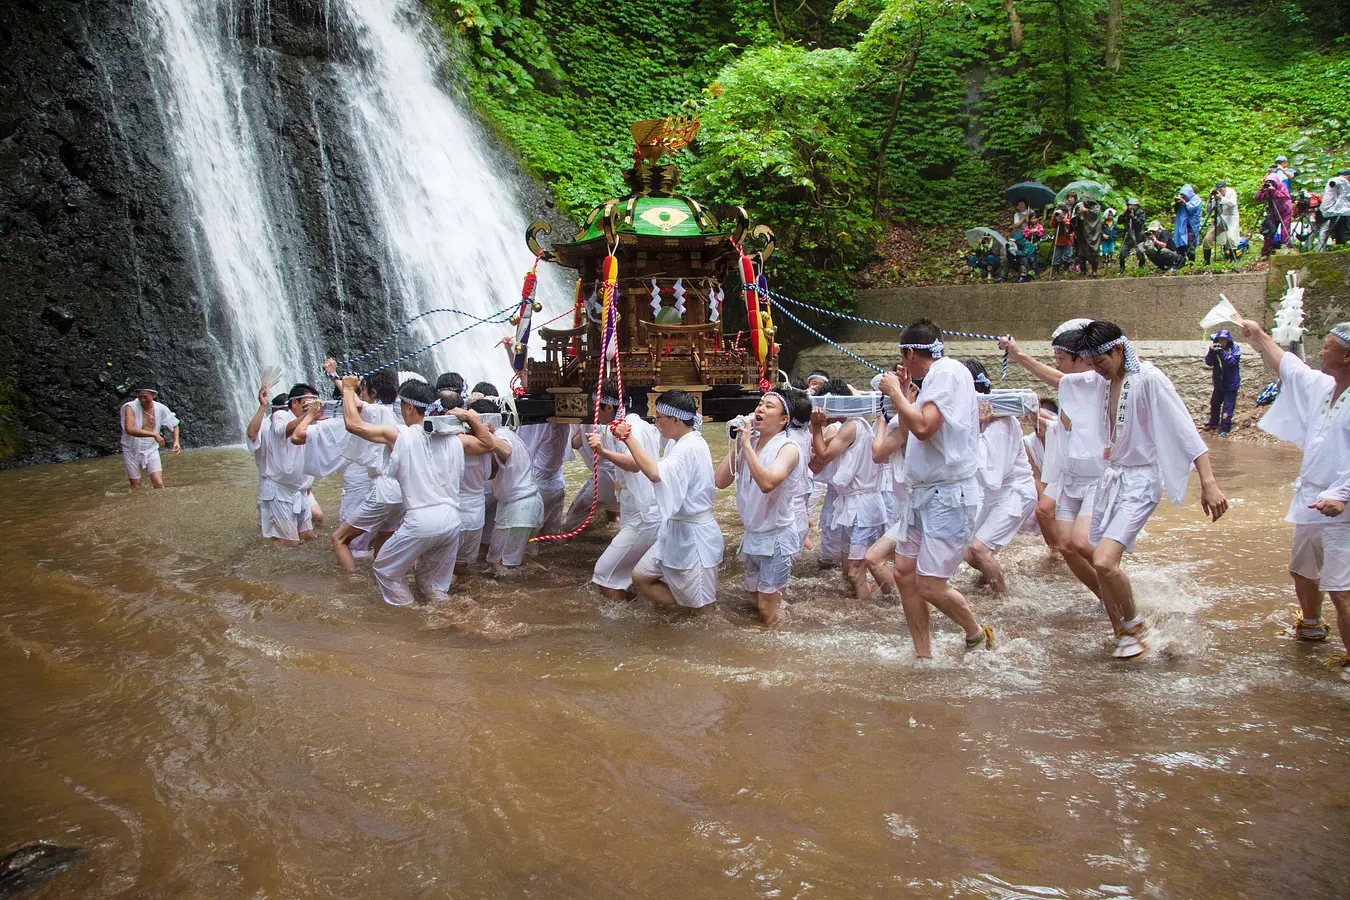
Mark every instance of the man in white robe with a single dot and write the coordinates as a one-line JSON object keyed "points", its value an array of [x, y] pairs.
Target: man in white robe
{"points": [[428, 468], [767, 468], [680, 570], [1075, 445], [520, 508], [1313, 413], [550, 447], [1151, 445], [943, 495], [143, 420], [285, 507], [639, 513]]}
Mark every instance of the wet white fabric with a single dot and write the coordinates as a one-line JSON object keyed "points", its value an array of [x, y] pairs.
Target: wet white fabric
{"points": [[768, 517], [693, 587], [1126, 497], [429, 471], [519, 504], [282, 483], [801, 497], [386, 485], [549, 447], [856, 481], [1035, 448], [473, 491], [607, 501], [690, 537], [938, 526], [899, 491], [1080, 438], [614, 568], [952, 453], [506, 546], [285, 519], [470, 539], [1070, 505], [325, 443], [636, 493], [1305, 416], [164, 420], [136, 461], [767, 574], [1322, 552], [1152, 428]]}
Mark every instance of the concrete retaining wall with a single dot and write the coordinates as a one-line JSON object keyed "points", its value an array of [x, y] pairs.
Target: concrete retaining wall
{"points": [[1163, 308], [1325, 279]]}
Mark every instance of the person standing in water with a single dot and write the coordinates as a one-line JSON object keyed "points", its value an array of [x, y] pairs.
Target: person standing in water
{"points": [[942, 458], [768, 468], [680, 570], [1313, 413], [143, 420], [1151, 445]]}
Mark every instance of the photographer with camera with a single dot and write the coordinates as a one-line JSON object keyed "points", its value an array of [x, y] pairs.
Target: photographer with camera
{"points": [[1132, 229], [1335, 211], [1064, 236], [1223, 363], [1186, 221], [1222, 210]]}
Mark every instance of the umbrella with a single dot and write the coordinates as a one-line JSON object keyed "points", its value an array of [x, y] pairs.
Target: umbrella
{"points": [[975, 235], [1035, 194], [1083, 189]]}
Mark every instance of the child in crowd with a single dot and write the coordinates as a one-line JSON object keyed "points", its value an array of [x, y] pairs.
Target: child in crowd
{"points": [[1110, 234]]}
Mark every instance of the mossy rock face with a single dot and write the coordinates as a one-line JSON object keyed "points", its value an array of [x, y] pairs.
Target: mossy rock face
{"points": [[1325, 278]]}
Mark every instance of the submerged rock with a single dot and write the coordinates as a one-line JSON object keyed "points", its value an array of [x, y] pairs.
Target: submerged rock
{"points": [[28, 865]]}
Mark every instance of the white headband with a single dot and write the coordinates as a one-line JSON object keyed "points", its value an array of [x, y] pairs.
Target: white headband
{"points": [[1341, 335], [694, 419], [1131, 358]]}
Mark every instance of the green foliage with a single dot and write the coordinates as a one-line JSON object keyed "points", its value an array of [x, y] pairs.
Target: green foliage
{"points": [[1207, 89]]}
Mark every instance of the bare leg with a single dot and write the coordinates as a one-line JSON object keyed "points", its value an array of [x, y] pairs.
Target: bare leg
{"points": [[878, 555], [1073, 543], [157, 479], [655, 590], [948, 601], [916, 610], [1045, 517], [342, 539], [376, 544], [315, 510], [983, 560], [614, 594], [1341, 600], [1117, 593], [856, 571], [135, 483], [769, 605], [1309, 592], [306, 536]]}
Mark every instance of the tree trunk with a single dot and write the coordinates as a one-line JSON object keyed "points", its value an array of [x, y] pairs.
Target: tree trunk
{"points": [[905, 69], [1015, 24], [1114, 14]]}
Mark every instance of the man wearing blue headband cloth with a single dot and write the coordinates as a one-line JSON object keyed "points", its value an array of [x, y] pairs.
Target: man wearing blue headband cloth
{"points": [[639, 513], [942, 457], [1313, 413], [680, 570], [1151, 445], [143, 420]]}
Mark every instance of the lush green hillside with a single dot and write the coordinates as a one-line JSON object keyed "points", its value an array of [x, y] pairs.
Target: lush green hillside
{"points": [[797, 99]]}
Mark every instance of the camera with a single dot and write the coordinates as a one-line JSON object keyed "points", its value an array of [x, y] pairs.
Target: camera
{"points": [[734, 427]]}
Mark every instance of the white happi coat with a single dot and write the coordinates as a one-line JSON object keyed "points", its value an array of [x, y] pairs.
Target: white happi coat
{"points": [[1305, 416], [942, 469], [1155, 442], [281, 464], [1004, 468], [1075, 456], [549, 447], [140, 448], [519, 504], [690, 537], [856, 482], [897, 470], [636, 493], [770, 519]]}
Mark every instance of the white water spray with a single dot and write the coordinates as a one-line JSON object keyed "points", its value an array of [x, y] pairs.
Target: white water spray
{"points": [[452, 229]]}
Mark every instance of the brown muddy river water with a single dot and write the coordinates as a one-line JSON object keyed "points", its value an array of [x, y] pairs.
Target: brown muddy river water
{"points": [[211, 717]]}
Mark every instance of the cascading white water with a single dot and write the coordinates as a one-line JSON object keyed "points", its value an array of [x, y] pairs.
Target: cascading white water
{"points": [[240, 262], [452, 229]]}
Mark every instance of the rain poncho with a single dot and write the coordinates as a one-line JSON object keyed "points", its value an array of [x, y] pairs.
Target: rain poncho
{"points": [[1087, 226], [1186, 225], [1336, 197], [1279, 211], [1223, 364], [1224, 209]]}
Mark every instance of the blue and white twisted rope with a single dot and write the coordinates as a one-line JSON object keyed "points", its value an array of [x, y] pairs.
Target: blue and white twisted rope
{"points": [[772, 296], [478, 320], [496, 318]]}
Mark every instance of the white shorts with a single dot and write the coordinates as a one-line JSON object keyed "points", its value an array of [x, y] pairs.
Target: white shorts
{"points": [[935, 534], [614, 568], [469, 542], [135, 461], [1322, 552], [285, 520], [1073, 499], [1126, 497], [507, 547], [693, 588], [426, 542], [767, 574], [1002, 516], [376, 517], [859, 538], [833, 542]]}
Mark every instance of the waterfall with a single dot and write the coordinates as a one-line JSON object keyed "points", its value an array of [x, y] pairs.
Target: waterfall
{"points": [[255, 313], [448, 224], [452, 229]]}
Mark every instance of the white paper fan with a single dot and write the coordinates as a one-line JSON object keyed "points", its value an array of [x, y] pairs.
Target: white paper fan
{"points": [[271, 376], [1223, 313]]}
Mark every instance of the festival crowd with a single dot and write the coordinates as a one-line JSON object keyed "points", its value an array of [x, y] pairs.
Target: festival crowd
{"points": [[929, 469], [1084, 236]]}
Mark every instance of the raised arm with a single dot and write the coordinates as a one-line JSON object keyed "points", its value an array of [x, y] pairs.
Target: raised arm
{"points": [[824, 452], [1270, 351], [300, 427], [1046, 373], [922, 423], [255, 424], [768, 478], [376, 434], [886, 443]]}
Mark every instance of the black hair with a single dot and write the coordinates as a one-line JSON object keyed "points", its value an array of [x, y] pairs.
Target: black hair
{"points": [[484, 405], [486, 388], [1049, 403], [1068, 341], [450, 381], [798, 384], [1095, 334], [280, 401], [921, 331], [798, 406], [383, 385], [609, 388], [418, 390], [300, 390], [449, 399], [681, 400], [836, 386], [980, 374]]}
